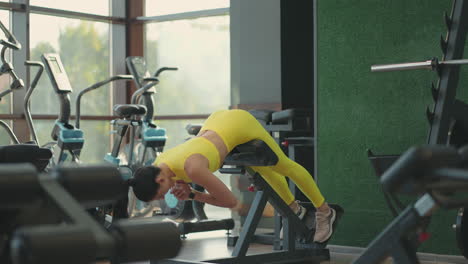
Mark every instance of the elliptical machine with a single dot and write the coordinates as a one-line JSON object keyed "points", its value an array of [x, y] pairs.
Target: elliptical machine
{"points": [[28, 152]]}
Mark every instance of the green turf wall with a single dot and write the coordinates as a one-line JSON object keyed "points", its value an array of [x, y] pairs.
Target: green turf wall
{"points": [[358, 109]]}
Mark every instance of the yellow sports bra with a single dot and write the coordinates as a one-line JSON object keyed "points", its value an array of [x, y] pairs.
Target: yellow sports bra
{"points": [[175, 157]]}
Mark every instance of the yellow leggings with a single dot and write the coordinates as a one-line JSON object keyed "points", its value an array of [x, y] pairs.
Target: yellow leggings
{"points": [[236, 127]]}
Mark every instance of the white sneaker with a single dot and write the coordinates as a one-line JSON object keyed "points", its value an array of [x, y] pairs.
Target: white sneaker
{"points": [[324, 225]]}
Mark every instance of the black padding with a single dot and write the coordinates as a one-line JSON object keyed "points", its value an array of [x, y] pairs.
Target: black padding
{"points": [[145, 239], [92, 185], [282, 117], [206, 225], [252, 153], [381, 163], [127, 110], [262, 115], [19, 185], [412, 171], [53, 245], [22, 153], [193, 129]]}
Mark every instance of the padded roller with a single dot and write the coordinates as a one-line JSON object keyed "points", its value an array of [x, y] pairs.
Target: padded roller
{"points": [[262, 115], [19, 185], [53, 245], [208, 225], [92, 185], [144, 239], [284, 116], [412, 171]]}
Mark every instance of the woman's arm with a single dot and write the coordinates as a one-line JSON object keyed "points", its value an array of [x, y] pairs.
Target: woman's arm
{"points": [[218, 194]]}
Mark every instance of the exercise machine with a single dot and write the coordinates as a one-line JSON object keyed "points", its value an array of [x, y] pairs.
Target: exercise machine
{"points": [[29, 151], [436, 175], [69, 139], [297, 246], [129, 115], [447, 119], [43, 219]]}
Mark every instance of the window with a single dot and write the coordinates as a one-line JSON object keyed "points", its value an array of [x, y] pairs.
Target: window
{"points": [[84, 49], [5, 102], [164, 7], [200, 49]]}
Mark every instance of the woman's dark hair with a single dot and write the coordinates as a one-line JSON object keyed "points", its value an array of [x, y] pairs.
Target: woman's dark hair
{"points": [[143, 183]]}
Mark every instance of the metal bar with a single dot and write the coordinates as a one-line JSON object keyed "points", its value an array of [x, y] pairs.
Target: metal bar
{"points": [[250, 224], [96, 117], [455, 62], [298, 256], [281, 206], [78, 15], [9, 131], [430, 65], [403, 66], [184, 15], [13, 6], [438, 132], [388, 242]]}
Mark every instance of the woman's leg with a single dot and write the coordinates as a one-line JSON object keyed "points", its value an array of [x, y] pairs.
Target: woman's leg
{"points": [[298, 174], [277, 182]]}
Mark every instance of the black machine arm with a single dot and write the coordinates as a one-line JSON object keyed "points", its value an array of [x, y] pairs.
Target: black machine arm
{"points": [[9, 131], [94, 87], [160, 70], [409, 174], [27, 97], [10, 43], [151, 81], [436, 174]]}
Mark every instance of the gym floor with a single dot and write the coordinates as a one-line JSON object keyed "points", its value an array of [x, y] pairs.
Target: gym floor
{"points": [[212, 245]]}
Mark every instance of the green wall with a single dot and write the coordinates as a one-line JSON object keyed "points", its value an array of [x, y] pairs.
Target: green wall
{"points": [[358, 109]]}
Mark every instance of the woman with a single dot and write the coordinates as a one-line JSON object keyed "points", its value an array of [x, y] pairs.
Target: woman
{"points": [[196, 159]]}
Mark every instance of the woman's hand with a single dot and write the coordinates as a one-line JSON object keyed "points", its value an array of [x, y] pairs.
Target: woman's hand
{"points": [[181, 190]]}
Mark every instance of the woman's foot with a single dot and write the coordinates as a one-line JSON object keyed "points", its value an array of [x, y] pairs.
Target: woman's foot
{"points": [[299, 210], [324, 220]]}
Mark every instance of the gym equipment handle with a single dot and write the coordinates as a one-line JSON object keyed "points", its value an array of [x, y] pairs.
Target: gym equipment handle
{"points": [[27, 97], [165, 69], [152, 82], [403, 66], [411, 173], [94, 87], [11, 43], [429, 64]]}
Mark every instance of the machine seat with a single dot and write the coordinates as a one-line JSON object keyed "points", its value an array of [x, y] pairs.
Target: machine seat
{"points": [[127, 110], [26, 153]]}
